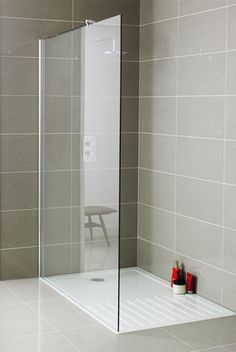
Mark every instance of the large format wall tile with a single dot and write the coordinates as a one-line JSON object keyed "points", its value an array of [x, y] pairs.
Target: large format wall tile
{"points": [[19, 76], [156, 225], [201, 116], [230, 206], [158, 78], [157, 115], [230, 124], [15, 112], [193, 6], [157, 189], [158, 40], [13, 147], [19, 228], [208, 278], [19, 191], [43, 9], [229, 263], [19, 37], [153, 10], [100, 9], [202, 75], [229, 287], [199, 240], [230, 157], [19, 263], [202, 158], [200, 199], [231, 73], [201, 33], [155, 259], [157, 152]]}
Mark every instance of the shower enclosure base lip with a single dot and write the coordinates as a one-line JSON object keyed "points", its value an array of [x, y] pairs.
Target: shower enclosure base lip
{"points": [[146, 300]]}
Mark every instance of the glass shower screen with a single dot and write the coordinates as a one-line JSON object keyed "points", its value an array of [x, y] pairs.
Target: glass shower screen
{"points": [[80, 165]]}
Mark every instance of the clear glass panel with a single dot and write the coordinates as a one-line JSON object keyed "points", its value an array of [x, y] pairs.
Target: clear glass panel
{"points": [[80, 165]]}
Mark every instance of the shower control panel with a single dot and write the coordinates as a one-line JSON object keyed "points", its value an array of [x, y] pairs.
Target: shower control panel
{"points": [[89, 149]]}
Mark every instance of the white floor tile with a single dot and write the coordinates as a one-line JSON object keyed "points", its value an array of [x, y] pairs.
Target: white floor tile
{"points": [[20, 320], [31, 289], [52, 342], [62, 314]]}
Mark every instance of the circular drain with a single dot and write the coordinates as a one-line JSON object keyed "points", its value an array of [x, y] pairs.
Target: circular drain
{"points": [[97, 279]]}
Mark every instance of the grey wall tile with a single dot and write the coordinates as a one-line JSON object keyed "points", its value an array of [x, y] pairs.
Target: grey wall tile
{"points": [[19, 228], [15, 71], [57, 77], [19, 37], [128, 218], [128, 253], [19, 191], [19, 263], [129, 185], [57, 114], [207, 78], [57, 259], [230, 168], [157, 115], [155, 259], [230, 122], [200, 199], [202, 158], [157, 152], [101, 9], [201, 116], [129, 150], [53, 9], [231, 73], [156, 10], [19, 153], [130, 79], [157, 189], [158, 77], [130, 42], [201, 33], [199, 240], [19, 114], [129, 114], [57, 225], [57, 149], [57, 188], [231, 27], [158, 40], [93, 187], [229, 260], [193, 6], [156, 225], [229, 206], [76, 251], [208, 278], [229, 298]]}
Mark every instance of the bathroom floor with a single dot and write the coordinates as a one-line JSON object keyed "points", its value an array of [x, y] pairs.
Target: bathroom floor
{"points": [[35, 318], [146, 301]]}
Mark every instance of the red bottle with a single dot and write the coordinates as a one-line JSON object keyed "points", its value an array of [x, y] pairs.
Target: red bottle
{"points": [[190, 283], [176, 273]]}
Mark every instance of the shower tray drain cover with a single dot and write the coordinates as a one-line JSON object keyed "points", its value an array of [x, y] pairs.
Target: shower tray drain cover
{"points": [[97, 279]]}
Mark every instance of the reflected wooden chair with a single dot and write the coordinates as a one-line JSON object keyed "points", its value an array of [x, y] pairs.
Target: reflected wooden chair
{"points": [[100, 211]]}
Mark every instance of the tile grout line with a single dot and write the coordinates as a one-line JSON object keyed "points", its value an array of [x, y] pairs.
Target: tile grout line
{"points": [[187, 15], [224, 157], [176, 139]]}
